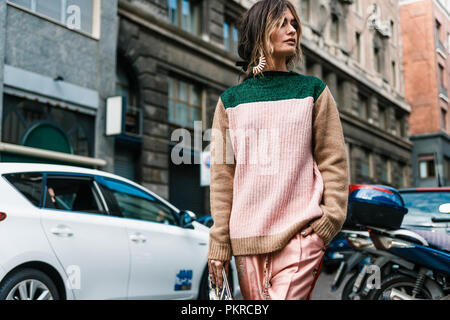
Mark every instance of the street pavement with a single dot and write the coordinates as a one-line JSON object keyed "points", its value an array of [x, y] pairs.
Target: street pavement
{"points": [[322, 290]]}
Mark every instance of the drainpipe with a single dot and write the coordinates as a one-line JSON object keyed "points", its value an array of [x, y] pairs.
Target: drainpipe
{"points": [[436, 169]]}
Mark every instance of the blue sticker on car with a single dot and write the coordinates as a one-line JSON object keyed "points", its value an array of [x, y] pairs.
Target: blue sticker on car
{"points": [[183, 280]]}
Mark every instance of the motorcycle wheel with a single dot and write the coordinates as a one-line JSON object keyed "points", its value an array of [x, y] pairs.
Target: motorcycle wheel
{"points": [[399, 282], [348, 287]]}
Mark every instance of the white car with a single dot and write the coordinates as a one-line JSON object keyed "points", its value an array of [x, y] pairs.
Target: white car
{"points": [[75, 233]]}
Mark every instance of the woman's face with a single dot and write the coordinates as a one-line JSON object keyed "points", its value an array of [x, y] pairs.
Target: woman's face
{"points": [[284, 39]]}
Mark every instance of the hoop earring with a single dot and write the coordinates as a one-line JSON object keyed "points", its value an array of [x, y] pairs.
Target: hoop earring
{"points": [[261, 64]]}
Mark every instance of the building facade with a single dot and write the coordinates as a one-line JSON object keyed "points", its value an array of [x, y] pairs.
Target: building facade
{"points": [[354, 47], [57, 67], [426, 47]]}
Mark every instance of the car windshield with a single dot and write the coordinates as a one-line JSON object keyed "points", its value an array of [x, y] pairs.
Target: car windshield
{"points": [[422, 206]]}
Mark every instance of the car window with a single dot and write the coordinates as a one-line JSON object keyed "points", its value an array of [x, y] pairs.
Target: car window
{"points": [[134, 203], [72, 193], [28, 184], [422, 206]]}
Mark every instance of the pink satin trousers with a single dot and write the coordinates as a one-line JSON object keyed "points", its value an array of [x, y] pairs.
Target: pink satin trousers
{"points": [[286, 274]]}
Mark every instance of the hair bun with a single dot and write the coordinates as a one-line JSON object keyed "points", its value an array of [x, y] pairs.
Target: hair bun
{"points": [[243, 64]]}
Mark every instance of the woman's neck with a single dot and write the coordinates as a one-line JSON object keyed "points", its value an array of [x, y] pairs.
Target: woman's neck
{"points": [[276, 65]]}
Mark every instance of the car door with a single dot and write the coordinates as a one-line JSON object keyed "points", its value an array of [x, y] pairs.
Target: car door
{"points": [[91, 245], [167, 260]]}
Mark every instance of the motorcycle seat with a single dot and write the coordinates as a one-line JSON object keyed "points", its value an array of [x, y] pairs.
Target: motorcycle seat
{"points": [[437, 239]]}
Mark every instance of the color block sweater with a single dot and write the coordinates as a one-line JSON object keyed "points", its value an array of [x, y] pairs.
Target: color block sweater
{"points": [[278, 164]]}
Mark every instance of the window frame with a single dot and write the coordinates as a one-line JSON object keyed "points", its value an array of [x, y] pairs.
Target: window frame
{"points": [[427, 159], [394, 74], [102, 188], [358, 39], [232, 45], [190, 86], [444, 119], [179, 16], [400, 125], [305, 15], [81, 176], [30, 113], [20, 192], [96, 18], [364, 107], [383, 118], [447, 167], [367, 154], [335, 29]]}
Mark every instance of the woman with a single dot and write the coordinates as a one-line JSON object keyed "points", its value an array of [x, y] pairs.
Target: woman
{"points": [[279, 175]]}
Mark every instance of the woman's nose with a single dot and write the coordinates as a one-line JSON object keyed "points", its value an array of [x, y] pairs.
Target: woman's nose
{"points": [[292, 30]]}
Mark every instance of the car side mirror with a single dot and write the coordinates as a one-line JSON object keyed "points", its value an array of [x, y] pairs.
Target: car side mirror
{"points": [[444, 208], [187, 217]]}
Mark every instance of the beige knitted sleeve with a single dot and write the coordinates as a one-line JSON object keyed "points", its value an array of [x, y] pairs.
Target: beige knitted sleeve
{"points": [[331, 158], [221, 186]]}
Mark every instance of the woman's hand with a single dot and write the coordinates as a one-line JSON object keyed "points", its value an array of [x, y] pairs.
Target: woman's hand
{"points": [[215, 269], [307, 231]]}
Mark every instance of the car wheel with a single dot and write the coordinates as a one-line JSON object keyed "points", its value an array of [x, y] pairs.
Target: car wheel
{"points": [[28, 284]]}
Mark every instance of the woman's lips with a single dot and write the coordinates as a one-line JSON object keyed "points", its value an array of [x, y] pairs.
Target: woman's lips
{"points": [[290, 41]]}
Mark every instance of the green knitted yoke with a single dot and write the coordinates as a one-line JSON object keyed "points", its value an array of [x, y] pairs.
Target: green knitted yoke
{"points": [[271, 85]]}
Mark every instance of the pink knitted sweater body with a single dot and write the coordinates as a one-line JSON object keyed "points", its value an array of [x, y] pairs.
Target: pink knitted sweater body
{"points": [[278, 164]]}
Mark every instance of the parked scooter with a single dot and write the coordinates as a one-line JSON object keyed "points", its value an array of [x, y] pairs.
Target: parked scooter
{"points": [[354, 260], [429, 276], [368, 205], [338, 251], [407, 264], [368, 265]]}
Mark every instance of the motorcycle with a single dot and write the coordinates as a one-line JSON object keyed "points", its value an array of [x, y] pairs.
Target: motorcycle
{"points": [[368, 265], [353, 261], [393, 262], [428, 274]]}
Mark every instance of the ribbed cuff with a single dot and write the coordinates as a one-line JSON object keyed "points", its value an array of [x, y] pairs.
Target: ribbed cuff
{"points": [[325, 229], [219, 251]]}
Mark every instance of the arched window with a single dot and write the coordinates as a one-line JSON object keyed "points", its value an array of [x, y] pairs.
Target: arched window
{"points": [[334, 29]]}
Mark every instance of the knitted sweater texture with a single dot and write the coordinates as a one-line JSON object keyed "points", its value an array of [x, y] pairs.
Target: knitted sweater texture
{"points": [[278, 164]]}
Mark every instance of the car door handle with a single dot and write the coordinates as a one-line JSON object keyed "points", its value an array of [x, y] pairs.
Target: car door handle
{"points": [[138, 238], [62, 231]]}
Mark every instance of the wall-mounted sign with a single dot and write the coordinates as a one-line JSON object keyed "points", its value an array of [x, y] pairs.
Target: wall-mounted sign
{"points": [[205, 176]]}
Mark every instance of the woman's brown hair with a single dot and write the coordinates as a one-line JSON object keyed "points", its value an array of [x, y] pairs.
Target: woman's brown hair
{"points": [[255, 27]]}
